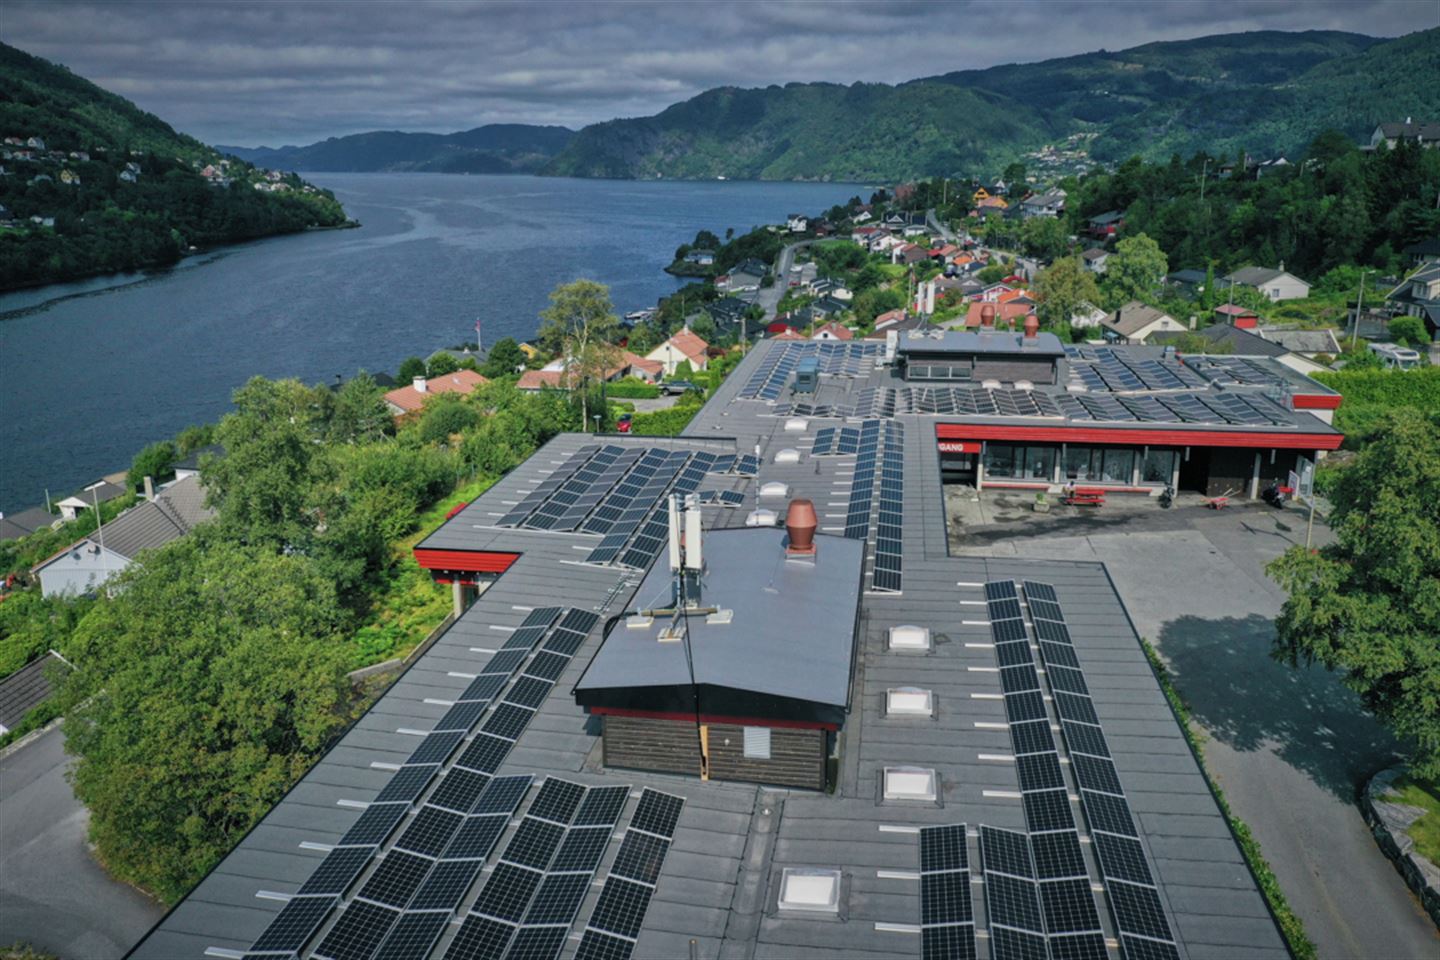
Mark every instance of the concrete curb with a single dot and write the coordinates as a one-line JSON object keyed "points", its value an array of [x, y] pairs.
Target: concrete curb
{"points": [[1388, 822], [30, 737]]}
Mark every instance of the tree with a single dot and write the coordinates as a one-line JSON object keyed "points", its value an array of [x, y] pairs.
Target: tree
{"points": [[1061, 288], [1135, 269], [578, 326], [503, 359], [1014, 177], [359, 414], [1368, 605], [1409, 331], [871, 303], [410, 368], [207, 684], [441, 364], [156, 461], [1044, 237]]}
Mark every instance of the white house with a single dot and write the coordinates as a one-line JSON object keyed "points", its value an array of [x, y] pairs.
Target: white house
{"points": [[797, 222], [684, 346], [1095, 259], [1135, 321], [1275, 284]]}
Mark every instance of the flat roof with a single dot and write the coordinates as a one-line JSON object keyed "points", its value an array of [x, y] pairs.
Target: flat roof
{"points": [[714, 884], [990, 341]]}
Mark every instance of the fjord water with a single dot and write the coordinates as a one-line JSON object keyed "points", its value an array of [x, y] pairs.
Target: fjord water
{"points": [[91, 372]]}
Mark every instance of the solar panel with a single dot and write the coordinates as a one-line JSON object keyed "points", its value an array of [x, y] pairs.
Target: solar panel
{"points": [[1039, 771], [547, 666], [1073, 707], [504, 662], [337, 871], [461, 717], [484, 754], [413, 936], [954, 942], [533, 844], [558, 898], [396, 879], [483, 687], [1138, 909], [640, 858], [430, 831], [1135, 948], [1122, 858], [477, 836], [1057, 855], [943, 848], [1096, 774], [435, 748], [595, 945], [446, 885], [1020, 707], [407, 784], [529, 692], [1069, 906], [356, 933], [1047, 810], [458, 790], [657, 813], [582, 849], [296, 923], [1079, 946], [1084, 738], [621, 907], [1108, 813], [537, 943], [508, 721], [1008, 944], [945, 898], [508, 892], [480, 938]]}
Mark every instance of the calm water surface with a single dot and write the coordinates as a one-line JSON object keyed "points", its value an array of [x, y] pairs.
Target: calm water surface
{"points": [[91, 372]]}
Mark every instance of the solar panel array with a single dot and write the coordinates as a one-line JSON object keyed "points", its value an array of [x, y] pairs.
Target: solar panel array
{"points": [[539, 882], [889, 519], [634, 502], [548, 487], [968, 401], [728, 498], [444, 827], [1038, 899], [620, 912], [1217, 408], [1105, 368], [862, 482], [836, 441], [1233, 371], [631, 544], [947, 918], [1134, 899], [772, 377]]}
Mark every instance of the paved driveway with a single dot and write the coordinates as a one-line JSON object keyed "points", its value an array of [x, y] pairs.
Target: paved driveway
{"points": [[52, 894], [1290, 748]]}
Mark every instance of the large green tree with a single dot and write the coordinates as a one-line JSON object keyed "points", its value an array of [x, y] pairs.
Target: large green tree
{"points": [[205, 686], [1044, 237], [1135, 270], [1368, 605], [1061, 288], [580, 325]]}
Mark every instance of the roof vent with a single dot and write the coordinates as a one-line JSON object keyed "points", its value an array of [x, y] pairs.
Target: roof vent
{"points": [[788, 455], [760, 518], [1077, 388], [811, 889], [990, 384], [909, 638], [909, 702], [800, 524], [774, 489], [1024, 385], [795, 425], [911, 783]]}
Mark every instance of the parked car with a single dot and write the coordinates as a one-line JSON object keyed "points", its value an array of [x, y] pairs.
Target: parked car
{"points": [[622, 423], [673, 388]]}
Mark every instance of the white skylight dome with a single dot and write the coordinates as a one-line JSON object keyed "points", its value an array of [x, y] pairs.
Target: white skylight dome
{"points": [[774, 489], [911, 783], [812, 889], [788, 455], [909, 702], [909, 637], [760, 518], [795, 425]]}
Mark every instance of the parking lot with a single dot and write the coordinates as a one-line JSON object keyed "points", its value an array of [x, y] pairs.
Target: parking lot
{"points": [[1290, 748]]}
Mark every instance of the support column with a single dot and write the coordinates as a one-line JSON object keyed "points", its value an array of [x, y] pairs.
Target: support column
{"points": [[1255, 478], [980, 468], [457, 590]]}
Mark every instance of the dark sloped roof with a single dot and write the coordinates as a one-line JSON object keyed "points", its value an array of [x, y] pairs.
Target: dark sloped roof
{"points": [[25, 689], [13, 526], [1244, 342], [154, 523]]}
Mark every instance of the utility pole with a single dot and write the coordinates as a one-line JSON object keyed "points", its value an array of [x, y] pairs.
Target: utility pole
{"points": [[1359, 305], [1203, 169]]}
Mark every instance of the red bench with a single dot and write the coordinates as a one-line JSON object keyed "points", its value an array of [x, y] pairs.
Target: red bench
{"points": [[1085, 497]]}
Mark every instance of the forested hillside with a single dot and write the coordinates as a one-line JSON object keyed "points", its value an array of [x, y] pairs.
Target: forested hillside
{"points": [[1267, 93], [495, 148], [93, 184]]}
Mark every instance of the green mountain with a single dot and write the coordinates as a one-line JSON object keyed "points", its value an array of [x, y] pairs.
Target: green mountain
{"points": [[93, 184], [1265, 92], [494, 148]]}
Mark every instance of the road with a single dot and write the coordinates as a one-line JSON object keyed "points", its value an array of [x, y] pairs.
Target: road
{"points": [[937, 225], [769, 297], [53, 895], [1291, 748]]}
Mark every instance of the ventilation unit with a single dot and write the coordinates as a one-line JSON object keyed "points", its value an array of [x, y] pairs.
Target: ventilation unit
{"points": [[810, 889], [911, 783], [909, 702], [909, 638]]}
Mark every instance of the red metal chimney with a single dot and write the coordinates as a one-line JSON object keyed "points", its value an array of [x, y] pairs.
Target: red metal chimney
{"points": [[987, 315], [800, 524], [1032, 326]]}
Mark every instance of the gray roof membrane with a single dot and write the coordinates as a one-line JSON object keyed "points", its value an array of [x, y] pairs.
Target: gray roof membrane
{"points": [[720, 879]]}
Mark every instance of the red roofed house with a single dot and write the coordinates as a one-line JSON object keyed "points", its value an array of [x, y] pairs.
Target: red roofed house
{"points": [[889, 318], [683, 346], [403, 400], [1237, 316], [553, 375], [1005, 313], [789, 333], [832, 331]]}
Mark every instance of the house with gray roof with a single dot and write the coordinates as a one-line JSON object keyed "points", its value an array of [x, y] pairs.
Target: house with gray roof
{"points": [[84, 566], [1274, 283], [1136, 322], [27, 688]]}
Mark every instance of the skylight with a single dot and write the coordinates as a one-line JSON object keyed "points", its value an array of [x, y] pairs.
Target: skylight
{"points": [[910, 783], [909, 638], [910, 702], [813, 889]]}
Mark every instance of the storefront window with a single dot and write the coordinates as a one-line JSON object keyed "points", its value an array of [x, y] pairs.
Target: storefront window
{"points": [[1118, 464], [1077, 463], [1040, 463], [1158, 466], [1000, 460]]}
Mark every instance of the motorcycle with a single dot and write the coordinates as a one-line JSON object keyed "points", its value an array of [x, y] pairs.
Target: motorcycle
{"points": [[1275, 495], [1167, 497]]}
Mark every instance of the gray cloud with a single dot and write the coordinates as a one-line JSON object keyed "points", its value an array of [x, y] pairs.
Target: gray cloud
{"points": [[250, 73]]}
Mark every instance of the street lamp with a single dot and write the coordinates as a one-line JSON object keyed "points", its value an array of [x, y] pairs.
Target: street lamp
{"points": [[596, 418]]}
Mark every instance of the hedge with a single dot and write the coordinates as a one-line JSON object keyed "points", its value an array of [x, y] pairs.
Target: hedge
{"points": [[632, 389], [1370, 394]]}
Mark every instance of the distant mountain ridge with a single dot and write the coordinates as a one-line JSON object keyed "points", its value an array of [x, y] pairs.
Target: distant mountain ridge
{"points": [[1267, 92], [494, 148]]}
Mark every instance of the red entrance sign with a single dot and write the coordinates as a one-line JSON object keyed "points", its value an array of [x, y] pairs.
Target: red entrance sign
{"points": [[959, 446]]}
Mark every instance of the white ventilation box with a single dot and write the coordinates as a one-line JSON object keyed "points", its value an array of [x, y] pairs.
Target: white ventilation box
{"points": [[774, 489], [909, 702], [788, 455], [795, 425], [911, 783], [760, 518], [909, 638], [811, 889]]}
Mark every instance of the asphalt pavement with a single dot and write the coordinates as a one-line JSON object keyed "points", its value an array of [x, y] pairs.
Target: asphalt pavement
{"points": [[53, 895], [769, 297], [1291, 748]]}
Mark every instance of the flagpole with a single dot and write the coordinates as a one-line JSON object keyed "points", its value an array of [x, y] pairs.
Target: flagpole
{"points": [[479, 343]]}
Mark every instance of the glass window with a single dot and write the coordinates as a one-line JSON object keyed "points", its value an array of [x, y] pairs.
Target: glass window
{"points": [[1119, 462], [1077, 463], [1040, 463], [1158, 466], [1000, 460]]}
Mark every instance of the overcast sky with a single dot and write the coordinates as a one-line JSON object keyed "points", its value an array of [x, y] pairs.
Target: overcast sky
{"points": [[269, 73]]}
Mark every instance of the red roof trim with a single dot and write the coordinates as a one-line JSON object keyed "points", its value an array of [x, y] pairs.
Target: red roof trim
{"points": [[1169, 438], [469, 561], [1317, 401], [713, 718]]}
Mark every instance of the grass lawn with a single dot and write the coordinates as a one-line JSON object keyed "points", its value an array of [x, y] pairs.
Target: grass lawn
{"points": [[1425, 831]]}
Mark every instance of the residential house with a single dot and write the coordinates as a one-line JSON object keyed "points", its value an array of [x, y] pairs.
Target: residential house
{"points": [[1095, 259], [1426, 251], [701, 258], [830, 287], [1426, 133], [1275, 284], [896, 222], [891, 319], [833, 331], [1270, 166], [35, 143], [640, 367], [101, 491], [863, 215], [866, 236], [1012, 313], [1237, 316], [1187, 282], [826, 307], [1086, 315], [748, 275], [727, 311], [13, 526], [1307, 344], [190, 466], [70, 178], [1135, 322], [684, 346], [27, 688], [84, 566], [993, 292], [409, 399], [1051, 203], [779, 331], [909, 254], [797, 222], [1102, 226], [1236, 341], [1419, 296]]}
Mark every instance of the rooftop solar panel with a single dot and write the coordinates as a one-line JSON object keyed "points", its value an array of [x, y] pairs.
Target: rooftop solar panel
{"points": [[953, 942], [374, 824], [529, 692], [484, 754], [657, 813], [396, 878], [595, 945], [621, 907], [357, 932], [408, 783], [503, 795], [508, 892], [533, 844], [337, 871], [480, 938], [446, 885], [537, 943], [430, 831], [476, 837], [558, 898], [296, 923], [413, 936]]}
